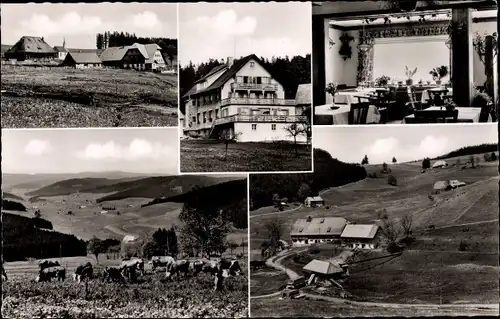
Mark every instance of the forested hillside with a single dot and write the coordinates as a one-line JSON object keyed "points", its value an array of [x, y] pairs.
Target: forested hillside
{"points": [[471, 150]]}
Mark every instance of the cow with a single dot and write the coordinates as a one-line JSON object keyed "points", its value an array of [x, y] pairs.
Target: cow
{"points": [[197, 266], [84, 271], [228, 267], [48, 263], [112, 274], [159, 261], [47, 274], [133, 262], [176, 267]]}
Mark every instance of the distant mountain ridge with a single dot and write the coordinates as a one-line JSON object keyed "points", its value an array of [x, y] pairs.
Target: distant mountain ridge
{"points": [[471, 150]]}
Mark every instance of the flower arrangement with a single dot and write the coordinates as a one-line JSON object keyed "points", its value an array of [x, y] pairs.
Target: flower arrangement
{"points": [[479, 44], [382, 81], [345, 49], [331, 88], [438, 73], [409, 75]]}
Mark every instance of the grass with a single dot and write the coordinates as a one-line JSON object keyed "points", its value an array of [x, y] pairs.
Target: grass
{"points": [[208, 156], [65, 97], [151, 297], [267, 281]]}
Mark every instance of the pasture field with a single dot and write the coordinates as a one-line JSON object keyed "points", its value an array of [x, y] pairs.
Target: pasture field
{"points": [[65, 97], [453, 260], [208, 156], [151, 297]]}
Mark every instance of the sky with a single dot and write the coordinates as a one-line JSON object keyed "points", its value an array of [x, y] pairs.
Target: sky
{"points": [[221, 30], [406, 143], [150, 150], [79, 23]]}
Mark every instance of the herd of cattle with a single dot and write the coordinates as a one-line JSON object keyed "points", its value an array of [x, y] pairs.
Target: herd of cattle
{"points": [[131, 268]]}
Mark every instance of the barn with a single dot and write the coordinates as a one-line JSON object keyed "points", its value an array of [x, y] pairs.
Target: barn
{"points": [[360, 236], [439, 164], [322, 270], [31, 48], [82, 60], [316, 201], [440, 186], [309, 230]]}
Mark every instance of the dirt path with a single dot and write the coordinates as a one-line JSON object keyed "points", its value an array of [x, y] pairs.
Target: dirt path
{"points": [[117, 230], [279, 212], [467, 224], [275, 262]]}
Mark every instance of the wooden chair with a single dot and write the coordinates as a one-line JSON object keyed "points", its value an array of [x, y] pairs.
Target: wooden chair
{"points": [[358, 113], [433, 116], [484, 115], [323, 120]]}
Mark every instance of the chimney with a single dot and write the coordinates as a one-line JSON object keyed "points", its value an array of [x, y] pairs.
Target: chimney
{"points": [[230, 61]]}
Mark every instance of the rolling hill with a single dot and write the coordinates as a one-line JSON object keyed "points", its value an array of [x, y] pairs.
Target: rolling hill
{"points": [[11, 196]]}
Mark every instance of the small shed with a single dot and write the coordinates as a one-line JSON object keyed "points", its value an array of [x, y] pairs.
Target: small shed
{"points": [[439, 164], [82, 60], [456, 183], [441, 186], [315, 201], [321, 270]]}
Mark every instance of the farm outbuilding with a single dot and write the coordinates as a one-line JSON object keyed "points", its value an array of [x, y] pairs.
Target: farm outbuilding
{"points": [[322, 270], [310, 231], [62, 52], [441, 186], [82, 60], [31, 48], [360, 236], [316, 201], [439, 164]]}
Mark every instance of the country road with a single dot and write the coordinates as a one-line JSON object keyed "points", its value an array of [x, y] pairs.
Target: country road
{"points": [[278, 212]]}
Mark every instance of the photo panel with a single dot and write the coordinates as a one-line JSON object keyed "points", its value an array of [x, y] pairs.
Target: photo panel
{"points": [[404, 223], [245, 87], [393, 62], [89, 65], [100, 217]]}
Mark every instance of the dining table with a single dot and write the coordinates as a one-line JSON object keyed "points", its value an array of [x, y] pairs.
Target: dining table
{"points": [[465, 114], [446, 92]]}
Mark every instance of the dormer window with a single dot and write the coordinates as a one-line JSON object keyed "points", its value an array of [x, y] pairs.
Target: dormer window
{"points": [[252, 64]]}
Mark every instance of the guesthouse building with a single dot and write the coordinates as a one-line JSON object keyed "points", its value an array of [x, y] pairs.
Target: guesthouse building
{"points": [[360, 236], [240, 98]]}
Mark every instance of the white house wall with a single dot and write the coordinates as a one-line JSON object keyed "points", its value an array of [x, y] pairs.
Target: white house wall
{"points": [[258, 70], [264, 132]]}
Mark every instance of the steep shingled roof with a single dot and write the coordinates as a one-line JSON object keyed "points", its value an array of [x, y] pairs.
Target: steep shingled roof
{"points": [[318, 226], [226, 76], [322, 267], [359, 231], [151, 49], [30, 44], [303, 95], [113, 54], [83, 58]]}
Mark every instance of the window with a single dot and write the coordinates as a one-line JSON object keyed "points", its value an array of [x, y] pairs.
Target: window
{"points": [[252, 64], [273, 127], [198, 118], [259, 80], [254, 127], [245, 79]]}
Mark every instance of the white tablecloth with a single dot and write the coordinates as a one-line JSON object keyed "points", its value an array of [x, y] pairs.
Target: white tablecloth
{"points": [[341, 115], [465, 114], [425, 95]]}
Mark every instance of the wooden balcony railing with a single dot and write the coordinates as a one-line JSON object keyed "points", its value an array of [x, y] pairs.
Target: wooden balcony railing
{"points": [[254, 101], [261, 118], [254, 86]]}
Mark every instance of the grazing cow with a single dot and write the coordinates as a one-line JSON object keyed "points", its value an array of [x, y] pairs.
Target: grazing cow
{"points": [[84, 271], [47, 264], [176, 267], [134, 262], [47, 274], [159, 261], [112, 274], [197, 266]]}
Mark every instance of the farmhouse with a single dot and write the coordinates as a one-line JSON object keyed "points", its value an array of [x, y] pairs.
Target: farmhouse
{"points": [[360, 236], [316, 230], [439, 164], [31, 48], [136, 56], [241, 98], [82, 60], [316, 201]]}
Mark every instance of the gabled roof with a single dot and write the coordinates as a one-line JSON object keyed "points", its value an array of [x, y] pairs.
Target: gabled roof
{"points": [[303, 95], [141, 49], [59, 48], [315, 198], [359, 231], [441, 184], [30, 44], [230, 72], [439, 163], [86, 57], [212, 71], [322, 267], [113, 54], [318, 226], [151, 49]]}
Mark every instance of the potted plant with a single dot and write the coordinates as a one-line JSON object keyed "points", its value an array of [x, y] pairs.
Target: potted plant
{"points": [[421, 82], [409, 75], [438, 73], [382, 81], [331, 89]]}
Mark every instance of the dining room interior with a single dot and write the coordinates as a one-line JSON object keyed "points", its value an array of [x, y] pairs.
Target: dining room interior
{"points": [[405, 62]]}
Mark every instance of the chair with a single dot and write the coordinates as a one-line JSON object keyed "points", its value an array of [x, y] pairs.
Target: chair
{"points": [[484, 115], [432, 116], [358, 113], [323, 120]]}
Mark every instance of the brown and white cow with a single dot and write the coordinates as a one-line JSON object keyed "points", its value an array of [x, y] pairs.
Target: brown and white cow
{"points": [[112, 274], [133, 262], [48, 263], [176, 267], [47, 274], [84, 271]]}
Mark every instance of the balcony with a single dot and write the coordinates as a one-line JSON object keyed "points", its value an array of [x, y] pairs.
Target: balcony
{"points": [[261, 119], [254, 101], [254, 86]]}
